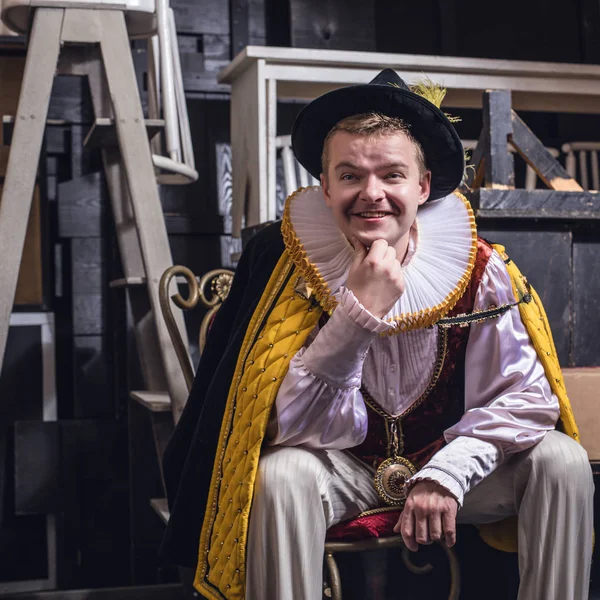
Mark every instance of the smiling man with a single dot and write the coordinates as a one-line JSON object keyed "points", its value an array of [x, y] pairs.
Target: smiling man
{"points": [[372, 355]]}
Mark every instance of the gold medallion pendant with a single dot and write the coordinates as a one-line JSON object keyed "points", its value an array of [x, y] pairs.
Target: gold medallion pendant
{"points": [[390, 477]]}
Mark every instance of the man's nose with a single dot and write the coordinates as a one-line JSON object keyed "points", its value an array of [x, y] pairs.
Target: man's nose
{"points": [[372, 190]]}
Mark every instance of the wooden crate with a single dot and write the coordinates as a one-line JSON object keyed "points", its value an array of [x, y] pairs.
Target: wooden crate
{"points": [[583, 387]]}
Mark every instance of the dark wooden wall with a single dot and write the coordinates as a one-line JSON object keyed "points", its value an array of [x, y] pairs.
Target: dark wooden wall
{"points": [[94, 365]]}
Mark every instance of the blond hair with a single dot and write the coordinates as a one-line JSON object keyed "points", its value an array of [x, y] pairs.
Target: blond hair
{"points": [[373, 124]]}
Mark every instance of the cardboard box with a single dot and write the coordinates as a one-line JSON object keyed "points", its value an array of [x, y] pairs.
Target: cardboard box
{"points": [[583, 387]]}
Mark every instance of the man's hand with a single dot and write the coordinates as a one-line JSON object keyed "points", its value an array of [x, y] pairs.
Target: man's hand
{"points": [[376, 277], [429, 515]]}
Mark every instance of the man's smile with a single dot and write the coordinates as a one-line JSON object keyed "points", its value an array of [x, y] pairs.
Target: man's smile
{"points": [[371, 215]]}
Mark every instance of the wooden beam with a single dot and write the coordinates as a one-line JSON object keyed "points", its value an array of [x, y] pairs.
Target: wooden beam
{"points": [[448, 27], [536, 204], [497, 125], [535, 154], [239, 25], [164, 591]]}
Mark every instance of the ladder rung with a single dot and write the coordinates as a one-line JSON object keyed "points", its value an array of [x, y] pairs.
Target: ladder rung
{"points": [[103, 133], [161, 508], [155, 401], [127, 281], [8, 124]]}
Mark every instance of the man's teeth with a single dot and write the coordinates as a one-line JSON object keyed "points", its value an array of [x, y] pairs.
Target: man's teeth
{"points": [[372, 215]]}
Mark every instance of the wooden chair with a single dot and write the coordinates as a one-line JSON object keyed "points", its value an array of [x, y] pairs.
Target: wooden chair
{"points": [[580, 156], [356, 535]]}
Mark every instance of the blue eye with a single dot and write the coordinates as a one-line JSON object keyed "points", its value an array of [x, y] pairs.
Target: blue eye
{"points": [[347, 177]]}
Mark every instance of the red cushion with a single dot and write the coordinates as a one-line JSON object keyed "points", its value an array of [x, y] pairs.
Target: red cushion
{"points": [[362, 528]]}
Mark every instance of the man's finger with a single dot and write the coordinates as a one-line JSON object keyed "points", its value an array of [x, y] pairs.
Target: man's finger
{"points": [[378, 250], [421, 529], [398, 525], [435, 526], [408, 530], [391, 253], [449, 525], [360, 250]]}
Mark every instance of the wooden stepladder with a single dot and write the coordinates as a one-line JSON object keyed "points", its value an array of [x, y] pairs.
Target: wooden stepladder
{"points": [[93, 41]]}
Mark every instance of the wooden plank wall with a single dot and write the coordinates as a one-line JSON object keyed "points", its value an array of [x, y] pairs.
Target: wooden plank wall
{"points": [[95, 365]]}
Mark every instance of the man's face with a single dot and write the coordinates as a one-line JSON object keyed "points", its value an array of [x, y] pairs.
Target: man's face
{"points": [[374, 188]]}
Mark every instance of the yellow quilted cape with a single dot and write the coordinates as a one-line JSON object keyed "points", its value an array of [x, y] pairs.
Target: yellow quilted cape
{"points": [[278, 329]]}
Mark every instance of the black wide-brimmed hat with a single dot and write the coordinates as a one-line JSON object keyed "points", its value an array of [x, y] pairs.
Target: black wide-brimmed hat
{"points": [[387, 94]]}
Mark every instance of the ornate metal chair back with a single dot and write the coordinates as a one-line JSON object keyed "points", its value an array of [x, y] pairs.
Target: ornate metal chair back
{"points": [[210, 291]]}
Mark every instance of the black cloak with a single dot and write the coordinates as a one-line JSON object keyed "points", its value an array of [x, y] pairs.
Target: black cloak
{"points": [[189, 458]]}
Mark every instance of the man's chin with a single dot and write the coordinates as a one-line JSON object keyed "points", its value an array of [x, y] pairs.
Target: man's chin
{"points": [[369, 240]]}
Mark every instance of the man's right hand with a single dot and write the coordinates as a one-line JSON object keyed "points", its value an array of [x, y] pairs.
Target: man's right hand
{"points": [[376, 277]]}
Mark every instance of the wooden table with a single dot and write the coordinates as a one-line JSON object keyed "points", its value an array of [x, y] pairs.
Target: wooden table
{"points": [[259, 76]]}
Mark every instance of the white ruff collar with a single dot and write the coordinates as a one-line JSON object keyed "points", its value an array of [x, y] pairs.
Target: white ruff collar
{"points": [[436, 276]]}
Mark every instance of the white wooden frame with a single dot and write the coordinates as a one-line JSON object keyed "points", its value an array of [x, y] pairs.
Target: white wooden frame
{"points": [[45, 321], [259, 76]]}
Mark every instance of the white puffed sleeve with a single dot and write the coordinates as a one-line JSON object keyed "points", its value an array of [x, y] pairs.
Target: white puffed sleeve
{"points": [[319, 404]]}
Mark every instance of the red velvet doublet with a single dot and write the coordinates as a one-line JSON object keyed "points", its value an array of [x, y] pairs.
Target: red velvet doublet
{"points": [[424, 426]]}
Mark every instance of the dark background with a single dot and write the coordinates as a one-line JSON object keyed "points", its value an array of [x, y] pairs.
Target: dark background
{"points": [[106, 536]]}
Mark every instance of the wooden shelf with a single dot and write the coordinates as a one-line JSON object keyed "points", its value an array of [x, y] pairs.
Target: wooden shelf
{"points": [[155, 401], [260, 76]]}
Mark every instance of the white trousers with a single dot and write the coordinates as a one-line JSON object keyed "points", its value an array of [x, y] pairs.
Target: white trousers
{"points": [[300, 493]]}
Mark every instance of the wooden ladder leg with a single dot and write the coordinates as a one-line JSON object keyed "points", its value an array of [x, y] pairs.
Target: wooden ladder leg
{"points": [[127, 237], [21, 172], [141, 182]]}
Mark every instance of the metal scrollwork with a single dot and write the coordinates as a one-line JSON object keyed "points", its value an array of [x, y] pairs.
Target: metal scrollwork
{"points": [[219, 282]]}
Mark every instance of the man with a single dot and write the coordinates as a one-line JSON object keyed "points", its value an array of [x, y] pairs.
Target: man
{"points": [[337, 379]]}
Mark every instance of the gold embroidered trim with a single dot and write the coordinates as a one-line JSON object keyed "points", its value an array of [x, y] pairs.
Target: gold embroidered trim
{"points": [[377, 511], [297, 253], [478, 316], [405, 322]]}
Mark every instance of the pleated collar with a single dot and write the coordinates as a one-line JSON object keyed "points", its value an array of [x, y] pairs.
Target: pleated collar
{"points": [[437, 268]]}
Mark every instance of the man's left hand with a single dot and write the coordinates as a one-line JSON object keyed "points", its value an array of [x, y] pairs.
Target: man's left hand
{"points": [[429, 515]]}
